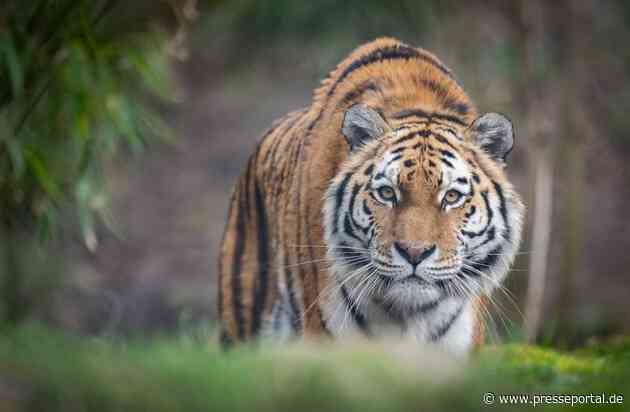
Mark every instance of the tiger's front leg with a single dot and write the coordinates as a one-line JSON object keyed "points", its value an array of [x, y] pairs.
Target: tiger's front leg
{"points": [[246, 282]]}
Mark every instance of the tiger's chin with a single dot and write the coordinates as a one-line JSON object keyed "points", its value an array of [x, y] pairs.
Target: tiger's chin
{"points": [[412, 295], [408, 297]]}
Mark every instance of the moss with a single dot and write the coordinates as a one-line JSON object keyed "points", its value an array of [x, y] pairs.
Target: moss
{"points": [[533, 356]]}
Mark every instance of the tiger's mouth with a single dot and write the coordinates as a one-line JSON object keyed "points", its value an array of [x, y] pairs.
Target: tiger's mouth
{"points": [[413, 278], [384, 267], [449, 277]]}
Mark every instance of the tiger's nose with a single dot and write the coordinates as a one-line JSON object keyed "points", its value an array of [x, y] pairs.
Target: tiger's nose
{"points": [[413, 251]]}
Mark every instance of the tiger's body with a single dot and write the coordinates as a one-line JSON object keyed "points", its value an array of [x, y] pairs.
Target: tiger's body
{"points": [[381, 209]]}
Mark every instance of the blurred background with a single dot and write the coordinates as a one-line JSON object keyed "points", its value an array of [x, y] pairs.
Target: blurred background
{"points": [[123, 126]]}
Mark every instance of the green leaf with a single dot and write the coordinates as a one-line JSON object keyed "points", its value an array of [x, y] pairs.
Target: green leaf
{"points": [[38, 168], [71, 94], [13, 65]]}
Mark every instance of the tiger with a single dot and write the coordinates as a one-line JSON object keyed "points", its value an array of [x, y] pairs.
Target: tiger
{"points": [[382, 209]]}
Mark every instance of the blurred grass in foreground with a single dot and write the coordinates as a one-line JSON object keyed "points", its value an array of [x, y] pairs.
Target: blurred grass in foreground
{"points": [[44, 370]]}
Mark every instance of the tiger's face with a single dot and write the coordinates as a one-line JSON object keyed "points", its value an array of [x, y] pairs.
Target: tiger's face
{"points": [[422, 212]]}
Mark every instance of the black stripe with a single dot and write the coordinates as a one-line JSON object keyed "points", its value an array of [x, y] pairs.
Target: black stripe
{"points": [[268, 133], [491, 259], [296, 315], [341, 190], [221, 268], [426, 307], [449, 118], [447, 163], [502, 208], [291, 168], [444, 328], [290, 123], [430, 148], [444, 140], [457, 106], [371, 193], [410, 113], [429, 116], [358, 317], [471, 212], [239, 249], [405, 138], [492, 233], [347, 228], [248, 174], [300, 174], [419, 133], [423, 309], [393, 159], [366, 209], [485, 263], [442, 92], [396, 52], [260, 293], [368, 170], [353, 196], [354, 94], [451, 156], [489, 221], [446, 128]]}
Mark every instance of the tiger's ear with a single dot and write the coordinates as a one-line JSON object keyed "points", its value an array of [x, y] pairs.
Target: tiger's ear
{"points": [[361, 123], [493, 132]]}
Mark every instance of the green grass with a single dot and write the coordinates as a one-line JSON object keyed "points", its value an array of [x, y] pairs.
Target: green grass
{"points": [[41, 370]]}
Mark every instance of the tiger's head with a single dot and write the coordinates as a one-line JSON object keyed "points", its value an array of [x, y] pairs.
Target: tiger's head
{"points": [[423, 209]]}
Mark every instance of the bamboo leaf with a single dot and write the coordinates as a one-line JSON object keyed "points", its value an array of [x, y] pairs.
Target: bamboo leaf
{"points": [[38, 168], [13, 65]]}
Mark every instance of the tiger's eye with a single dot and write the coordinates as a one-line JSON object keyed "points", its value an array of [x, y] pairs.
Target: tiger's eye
{"points": [[452, 196], [387, 193]]}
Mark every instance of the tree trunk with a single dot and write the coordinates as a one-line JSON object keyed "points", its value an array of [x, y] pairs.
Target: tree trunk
{"points": [[540, 241], [540, 125]]}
